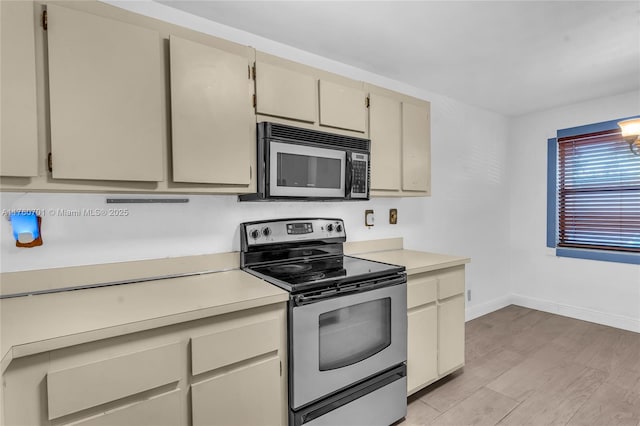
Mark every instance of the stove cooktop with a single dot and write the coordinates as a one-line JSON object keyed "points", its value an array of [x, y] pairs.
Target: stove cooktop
{"points": [[308, 274]]}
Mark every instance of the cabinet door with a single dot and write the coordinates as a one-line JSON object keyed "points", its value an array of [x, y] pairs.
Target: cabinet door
{"points": [[422, 350], [342, 107], [416, 147], [211, 114], [106, 89], [285, 93], [18, 119], [247, 396], [450, 334], [385, 131]]}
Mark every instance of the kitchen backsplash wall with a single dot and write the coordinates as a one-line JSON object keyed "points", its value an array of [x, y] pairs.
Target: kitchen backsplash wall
{"points": [[77, 229]]}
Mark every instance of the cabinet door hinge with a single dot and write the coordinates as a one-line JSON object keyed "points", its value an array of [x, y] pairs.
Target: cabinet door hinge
{"points": [[44, 20], [50, 163], [367, 102], [280, 368], [249, 72], [255, 101], [253, 70]]}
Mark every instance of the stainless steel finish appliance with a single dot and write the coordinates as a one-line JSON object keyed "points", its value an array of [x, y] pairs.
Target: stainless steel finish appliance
{"points": [[302, 164], [347, 322]]}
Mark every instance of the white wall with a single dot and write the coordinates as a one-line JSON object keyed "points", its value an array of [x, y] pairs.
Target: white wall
{"points": [[604, 292], [465, 216]]}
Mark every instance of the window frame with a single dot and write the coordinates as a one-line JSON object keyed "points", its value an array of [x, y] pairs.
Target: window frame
{"points": [[552, 199]]}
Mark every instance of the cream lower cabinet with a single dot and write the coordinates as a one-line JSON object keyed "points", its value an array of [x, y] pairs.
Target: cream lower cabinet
{"points": [[399, 128], [422, 351], [244, 388], [435, 317], [222, 370]]}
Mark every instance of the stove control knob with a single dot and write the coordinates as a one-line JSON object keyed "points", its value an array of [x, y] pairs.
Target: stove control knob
{"points": [[266, 231], [330, 227], [254, 234], [338, 228]]}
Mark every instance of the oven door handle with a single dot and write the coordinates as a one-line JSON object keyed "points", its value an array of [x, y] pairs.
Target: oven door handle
{"points": [[352, 288]]}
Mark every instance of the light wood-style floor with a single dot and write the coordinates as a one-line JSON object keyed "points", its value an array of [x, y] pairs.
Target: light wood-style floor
{"points": [[526, 367]]}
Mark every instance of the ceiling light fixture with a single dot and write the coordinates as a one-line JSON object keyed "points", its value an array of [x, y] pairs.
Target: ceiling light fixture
{"points": [[630, 130]]}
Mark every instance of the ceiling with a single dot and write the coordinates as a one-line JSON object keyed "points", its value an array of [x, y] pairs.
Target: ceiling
{"points": [[512, 57]]}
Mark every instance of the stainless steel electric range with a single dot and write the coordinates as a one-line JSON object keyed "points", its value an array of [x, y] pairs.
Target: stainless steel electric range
{"points": [[347, 322]]}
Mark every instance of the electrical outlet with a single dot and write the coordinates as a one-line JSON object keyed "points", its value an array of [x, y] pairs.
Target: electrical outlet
{"points": [[368, 218], [393, 216]]}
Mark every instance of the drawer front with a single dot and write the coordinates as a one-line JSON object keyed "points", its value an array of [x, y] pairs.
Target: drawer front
{"points": [[421, 289], [226, 347], [162, 410], [451, 282], [79, 388]]}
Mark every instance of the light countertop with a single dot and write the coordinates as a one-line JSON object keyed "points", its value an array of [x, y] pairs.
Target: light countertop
{"points": [[415, 262], [44, 322]]}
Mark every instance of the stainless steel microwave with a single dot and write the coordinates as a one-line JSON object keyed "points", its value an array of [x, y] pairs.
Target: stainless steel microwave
{"points": [[303, 164]]}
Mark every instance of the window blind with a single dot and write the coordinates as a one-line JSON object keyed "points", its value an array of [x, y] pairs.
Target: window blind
{"points": [[598, 193]]}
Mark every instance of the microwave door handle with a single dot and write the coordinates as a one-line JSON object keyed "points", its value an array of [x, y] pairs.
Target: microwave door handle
{"points": [[348, 179]]}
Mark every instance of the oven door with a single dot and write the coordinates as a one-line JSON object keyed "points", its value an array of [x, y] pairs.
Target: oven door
{"points": [[304, 171], [340, 341]]}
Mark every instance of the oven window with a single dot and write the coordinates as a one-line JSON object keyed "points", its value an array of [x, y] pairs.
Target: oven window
{"points": [[354, 333], [296, 170]]}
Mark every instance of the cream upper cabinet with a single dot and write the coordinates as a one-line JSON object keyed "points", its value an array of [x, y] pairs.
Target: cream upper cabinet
{"points": [[285, 90], [400, 133], [342, 107], [416, 147], [385, 131], [106, 87], [307, 97], [18, 115], [212, 117]]}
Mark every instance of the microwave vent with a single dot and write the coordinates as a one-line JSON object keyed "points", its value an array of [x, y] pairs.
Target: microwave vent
{"points": [[296, 134]]}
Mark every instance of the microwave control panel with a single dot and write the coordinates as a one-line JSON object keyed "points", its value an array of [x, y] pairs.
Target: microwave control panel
{"points": [[359, 175]]}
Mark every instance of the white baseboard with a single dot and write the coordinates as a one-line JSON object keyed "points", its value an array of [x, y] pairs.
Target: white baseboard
{"points": [[584, 314], [478, 310]]}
